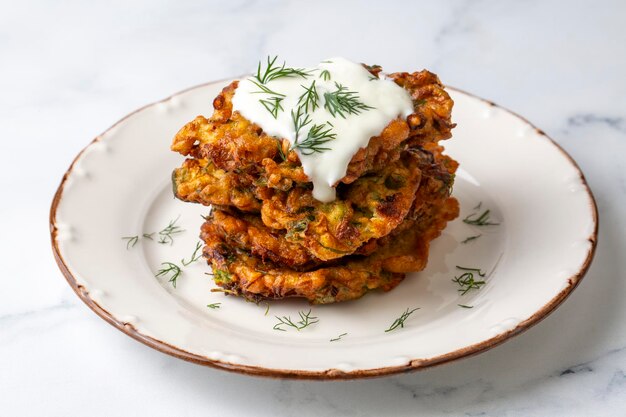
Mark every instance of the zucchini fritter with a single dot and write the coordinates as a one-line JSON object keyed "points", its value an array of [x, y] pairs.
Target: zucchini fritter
{"points": [[239, 271], [247, 232], [235, 144]]}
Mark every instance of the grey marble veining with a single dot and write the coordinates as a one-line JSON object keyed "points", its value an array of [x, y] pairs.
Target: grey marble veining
{"points": [[69, 70]]}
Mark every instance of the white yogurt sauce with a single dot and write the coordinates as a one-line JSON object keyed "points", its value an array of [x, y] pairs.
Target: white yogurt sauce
{"points": [[388, 101]]}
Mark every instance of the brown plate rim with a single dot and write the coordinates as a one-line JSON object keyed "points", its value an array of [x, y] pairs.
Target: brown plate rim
{"points": [[329, 374]]}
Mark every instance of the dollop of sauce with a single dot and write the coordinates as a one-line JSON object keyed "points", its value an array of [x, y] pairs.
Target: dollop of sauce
{"points": [[366, 104]]}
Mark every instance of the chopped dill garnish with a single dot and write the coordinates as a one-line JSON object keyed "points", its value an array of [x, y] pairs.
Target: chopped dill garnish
{"points": [[273, 71], [170, 268], [175, 270], [305, 320], [482, 220], [214, 305], [273, 105], [325, 74], [464, 306], [309, 98], [267, 308], [338, 337], [194, 256], [399, 322], [342, 101], [131, 241], [167, 233], [265, 89], [317, 135], [466, 280], [470, 238], [299, 119]]}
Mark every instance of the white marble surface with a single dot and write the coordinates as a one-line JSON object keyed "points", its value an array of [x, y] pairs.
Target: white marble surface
{"points": [[68, 70]]}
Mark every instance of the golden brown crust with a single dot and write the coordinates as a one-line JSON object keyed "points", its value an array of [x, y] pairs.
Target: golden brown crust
{"points": [[431, 120], [200, 181], [248, 233]]}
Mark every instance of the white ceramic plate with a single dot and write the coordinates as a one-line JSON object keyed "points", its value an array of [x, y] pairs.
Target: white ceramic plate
{"points": [[119, 186]]}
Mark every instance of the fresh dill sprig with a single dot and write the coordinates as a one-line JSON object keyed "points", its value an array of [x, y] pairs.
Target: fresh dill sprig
{"points": [[317, 136], [309, 98], [214, 305], [466, 280], [273, 71], [342, 101], [300, 119], [464, 306], [478, 206], [175, 270], [399, 322], [273, 105], [325, 74], [265, 89], [482, 220], [194, 256], [338, 337], [131, 241], [167, 233], [170, 268], [470, 238], [305, 320], [267, 308]]}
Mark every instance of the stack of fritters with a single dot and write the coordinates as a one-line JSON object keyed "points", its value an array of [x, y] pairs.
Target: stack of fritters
{"points": [[267, 237]]}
